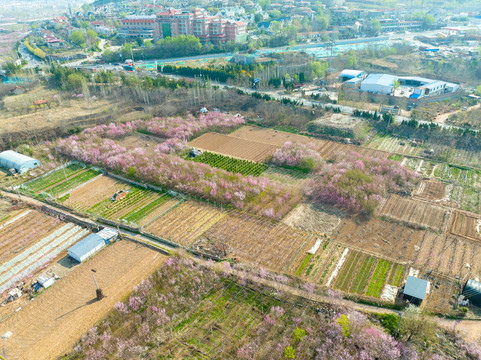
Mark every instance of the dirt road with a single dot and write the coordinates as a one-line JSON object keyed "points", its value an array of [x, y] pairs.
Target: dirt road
{"points": [[50, 325]]}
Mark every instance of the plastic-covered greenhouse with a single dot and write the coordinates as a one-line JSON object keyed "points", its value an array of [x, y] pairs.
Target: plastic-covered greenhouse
{"points": [[13, 160]]}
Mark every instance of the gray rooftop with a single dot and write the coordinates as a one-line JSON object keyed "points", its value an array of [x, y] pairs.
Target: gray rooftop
{"points": [[416, 287]]}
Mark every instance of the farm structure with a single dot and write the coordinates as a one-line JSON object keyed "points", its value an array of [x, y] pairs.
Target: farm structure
{"points": [[415, 290], [119, 268], [10, 159], [91, 244], [416, 213], [31, 240], [234, 147]]}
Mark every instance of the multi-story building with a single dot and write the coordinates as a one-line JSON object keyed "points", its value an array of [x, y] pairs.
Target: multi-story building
{"points": [[395, 25], [207, 28], [144, 26]]}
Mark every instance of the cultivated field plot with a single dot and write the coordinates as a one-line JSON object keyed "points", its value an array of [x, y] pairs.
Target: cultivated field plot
{"points": [[393, 145], [266, 243], [416, 213], [425, 168], [466, 225], [140, 206], [235, 147], [388, 239], [367, 275], [270, 136], [317, 268], [449, 255], [29, 240], [458, 175], [466, 198], [51, 180], [329, 149], [137, 203], [68, 308], [232, 309], [234, 165], [314, 218], [285, 176], [185, 222], [430, 190]]}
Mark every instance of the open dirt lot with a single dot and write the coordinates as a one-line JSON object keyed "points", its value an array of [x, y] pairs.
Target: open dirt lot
{"points": [[50, 325], [58, 116], [314, 218], [234, 147]]}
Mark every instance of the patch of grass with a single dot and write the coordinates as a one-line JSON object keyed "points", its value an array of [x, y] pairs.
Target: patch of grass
{"points": [[63, 198]]}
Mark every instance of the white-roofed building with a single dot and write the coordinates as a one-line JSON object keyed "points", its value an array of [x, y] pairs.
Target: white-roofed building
{"points": [[379, 84], [10, 159], [348, 74]]}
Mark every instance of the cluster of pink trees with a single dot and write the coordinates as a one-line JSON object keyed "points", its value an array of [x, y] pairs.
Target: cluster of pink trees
{"points": [[254, 194], [178, 127], [180, 302], [357, 184], [297, 155]]}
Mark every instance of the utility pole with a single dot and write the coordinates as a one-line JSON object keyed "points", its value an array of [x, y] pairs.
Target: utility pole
{"points": [[98, 290]]}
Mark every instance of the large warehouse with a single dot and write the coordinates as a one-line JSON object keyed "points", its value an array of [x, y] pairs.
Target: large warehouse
{"points": [[10, 159], [379, 84]]}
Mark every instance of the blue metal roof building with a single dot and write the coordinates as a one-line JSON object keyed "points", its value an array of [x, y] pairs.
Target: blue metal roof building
{"points": [[86, 247], [10, 159], [415, 290], [378, 84]]}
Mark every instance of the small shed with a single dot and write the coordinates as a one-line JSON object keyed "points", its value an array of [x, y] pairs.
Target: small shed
{"points": [[108, 234], [415, 290], [10, 159], [472, 292], [86, 247]]}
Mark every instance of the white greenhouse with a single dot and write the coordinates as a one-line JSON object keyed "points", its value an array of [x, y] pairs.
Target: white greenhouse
{"points": [[10, 159]]}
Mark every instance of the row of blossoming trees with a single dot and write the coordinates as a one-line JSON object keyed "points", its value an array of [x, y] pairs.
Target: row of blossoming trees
{"points": [[352, 182], [255, 194], [180, 311]]}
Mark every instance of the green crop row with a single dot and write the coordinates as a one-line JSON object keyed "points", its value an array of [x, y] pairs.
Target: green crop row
{"points": [[53, 178], [304, 264], [362, 277], [349, 267], [147, 209], [73, 182], [378, 278], [107, 208], [396, 275], [243, 167]]}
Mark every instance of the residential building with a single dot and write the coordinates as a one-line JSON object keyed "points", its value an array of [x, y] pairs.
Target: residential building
{"points": [[207, 28], [143, 26]]}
